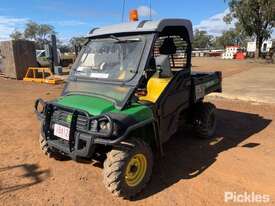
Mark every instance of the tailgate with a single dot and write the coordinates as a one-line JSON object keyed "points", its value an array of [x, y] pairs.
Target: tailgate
{"points": [[206, 83]]}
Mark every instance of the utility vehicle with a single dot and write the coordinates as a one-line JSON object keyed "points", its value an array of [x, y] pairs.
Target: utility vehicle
{"points": [[129, 91]]}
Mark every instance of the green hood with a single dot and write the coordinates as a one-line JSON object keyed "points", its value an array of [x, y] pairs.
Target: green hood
{"points": [[94, 106], [97, 106]]}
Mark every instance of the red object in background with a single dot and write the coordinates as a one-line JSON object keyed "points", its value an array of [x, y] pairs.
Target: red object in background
{"points": [[240, 56]]}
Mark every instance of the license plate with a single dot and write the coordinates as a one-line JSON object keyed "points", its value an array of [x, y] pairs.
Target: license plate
{"points": [[62, 132]]}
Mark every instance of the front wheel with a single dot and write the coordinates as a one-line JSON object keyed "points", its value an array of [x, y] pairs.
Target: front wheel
{"points": [[47, 150], [128, 169], [204, 120]]}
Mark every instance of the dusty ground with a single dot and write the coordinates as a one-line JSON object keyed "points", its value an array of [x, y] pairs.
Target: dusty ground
{"points": [[228, 67], [243, 80], [256, 84], [193, 172]]}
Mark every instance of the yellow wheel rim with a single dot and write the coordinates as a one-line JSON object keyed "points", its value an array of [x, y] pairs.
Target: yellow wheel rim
{"points": [[136, 170]]}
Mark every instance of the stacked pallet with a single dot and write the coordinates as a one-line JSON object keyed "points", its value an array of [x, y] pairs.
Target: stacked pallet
{"points": [[17, 56]]}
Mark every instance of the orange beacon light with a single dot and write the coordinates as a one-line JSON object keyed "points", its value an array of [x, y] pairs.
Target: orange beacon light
{"points": [[133, 16]]}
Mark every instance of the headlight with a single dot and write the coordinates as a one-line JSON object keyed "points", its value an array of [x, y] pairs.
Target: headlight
{"points": [[103, 126]]}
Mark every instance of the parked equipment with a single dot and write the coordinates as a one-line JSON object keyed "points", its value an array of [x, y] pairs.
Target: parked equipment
{"points": [[130, 90], [41, 75]]}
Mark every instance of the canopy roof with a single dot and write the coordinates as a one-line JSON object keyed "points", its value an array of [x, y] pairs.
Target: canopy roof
{"points": [[142, 26]]}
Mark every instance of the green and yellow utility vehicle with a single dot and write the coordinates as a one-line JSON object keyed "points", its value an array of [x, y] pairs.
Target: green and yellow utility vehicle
{"points": [[129, 91]]}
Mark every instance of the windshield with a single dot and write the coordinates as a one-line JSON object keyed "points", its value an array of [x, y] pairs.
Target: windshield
{"points": [[105, 66], [111, 59]]}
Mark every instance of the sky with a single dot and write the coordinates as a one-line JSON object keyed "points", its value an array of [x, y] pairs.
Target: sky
{"points": [[77, 17]]}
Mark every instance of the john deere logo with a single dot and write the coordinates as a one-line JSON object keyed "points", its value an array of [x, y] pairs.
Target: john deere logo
{"points": [[69, 118]]}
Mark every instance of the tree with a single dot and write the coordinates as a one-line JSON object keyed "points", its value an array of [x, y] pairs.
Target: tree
{"points": [[255, 18], [44, 33], [31, 30], [40, 33], [16, 35], [78, 41], [202, 39], [231, 37], [64, 48]]}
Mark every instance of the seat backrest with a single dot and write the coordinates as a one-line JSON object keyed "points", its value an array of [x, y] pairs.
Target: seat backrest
{"points": [[167, 48], [163, 65]]}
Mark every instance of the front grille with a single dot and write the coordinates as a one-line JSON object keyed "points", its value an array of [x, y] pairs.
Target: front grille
{"points": [[59, 116], [82, 122], [64, 118]]}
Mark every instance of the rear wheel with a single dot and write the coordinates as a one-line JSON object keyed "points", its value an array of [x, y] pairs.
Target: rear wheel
{"points": [[127, 170], [204, 122]]}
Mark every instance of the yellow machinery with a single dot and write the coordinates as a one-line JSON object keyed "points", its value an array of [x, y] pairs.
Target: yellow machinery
{"points": [[41, 75]]}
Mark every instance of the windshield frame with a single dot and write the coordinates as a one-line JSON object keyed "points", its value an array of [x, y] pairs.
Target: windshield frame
{"points": [[131, 83]]}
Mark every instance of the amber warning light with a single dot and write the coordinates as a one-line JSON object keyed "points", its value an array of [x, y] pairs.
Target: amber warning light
{"points": [[133, 16]]}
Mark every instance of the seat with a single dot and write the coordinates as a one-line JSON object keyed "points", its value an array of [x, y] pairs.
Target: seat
{"points": [[159, 81], [155, 87]]}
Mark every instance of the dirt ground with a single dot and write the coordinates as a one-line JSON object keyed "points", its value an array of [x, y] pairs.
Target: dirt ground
{"points": [[228, 67], [193, 172]]}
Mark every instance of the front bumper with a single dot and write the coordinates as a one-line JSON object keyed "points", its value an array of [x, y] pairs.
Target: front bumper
{"points": [[83, 146], [82, 140], [80, 143]]}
